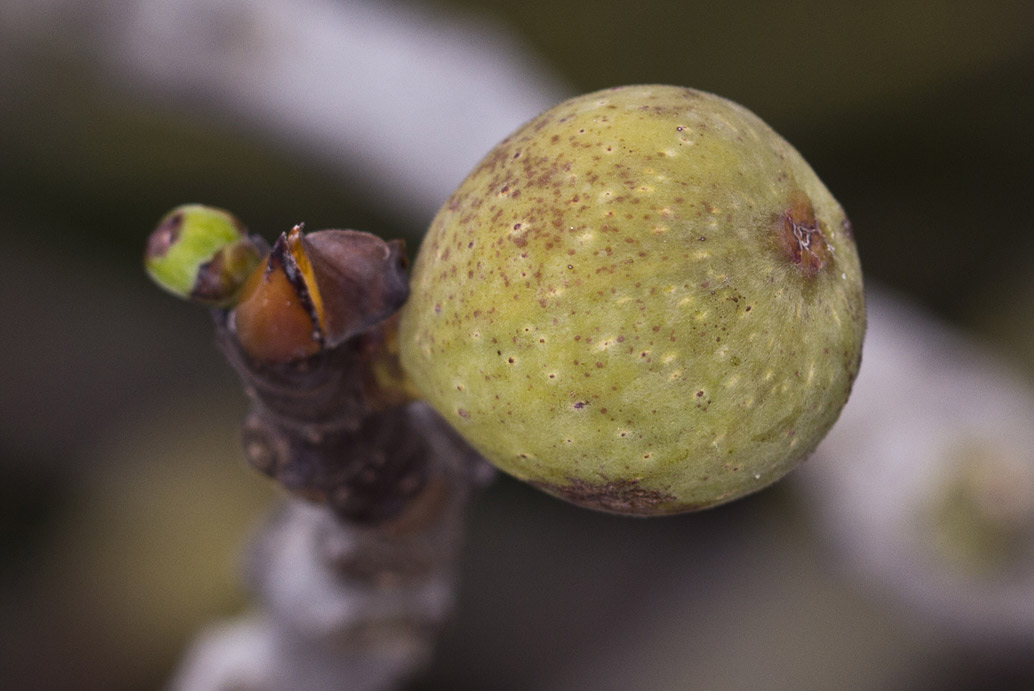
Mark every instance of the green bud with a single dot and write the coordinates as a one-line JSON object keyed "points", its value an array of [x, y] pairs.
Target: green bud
{"points": [[201, 253]]}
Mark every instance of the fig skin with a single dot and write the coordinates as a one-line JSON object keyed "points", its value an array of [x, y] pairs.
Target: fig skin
{"points": [[643, 301]]}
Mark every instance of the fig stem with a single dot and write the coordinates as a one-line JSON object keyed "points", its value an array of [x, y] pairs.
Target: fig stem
{"points": [[368, 541]]}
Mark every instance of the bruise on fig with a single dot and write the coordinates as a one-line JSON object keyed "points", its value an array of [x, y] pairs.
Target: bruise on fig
{"points": [[617, 496], [801, 237]]}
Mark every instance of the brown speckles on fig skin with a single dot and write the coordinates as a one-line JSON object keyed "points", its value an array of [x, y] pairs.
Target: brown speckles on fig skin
{"points": [[624, 497], [642, 262]]}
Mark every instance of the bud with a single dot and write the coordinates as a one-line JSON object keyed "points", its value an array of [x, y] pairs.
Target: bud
{"points": [[316, 291], [201, 253]]}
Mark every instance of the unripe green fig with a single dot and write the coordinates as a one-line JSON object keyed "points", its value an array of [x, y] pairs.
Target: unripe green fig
{"points": [[642, 301]]}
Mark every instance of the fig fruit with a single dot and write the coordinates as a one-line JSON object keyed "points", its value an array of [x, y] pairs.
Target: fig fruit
{"points": [[643, 301]]}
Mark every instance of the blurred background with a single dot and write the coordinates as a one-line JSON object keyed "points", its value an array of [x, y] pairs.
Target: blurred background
{"points": [[124, 500]]}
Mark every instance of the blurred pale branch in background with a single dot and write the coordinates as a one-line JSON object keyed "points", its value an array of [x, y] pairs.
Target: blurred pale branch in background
{"points": [[926, 484], [400, 99]]}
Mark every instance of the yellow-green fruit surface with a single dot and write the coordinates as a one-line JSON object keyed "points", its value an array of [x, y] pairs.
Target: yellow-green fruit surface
{"points": [[643, 301]]}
